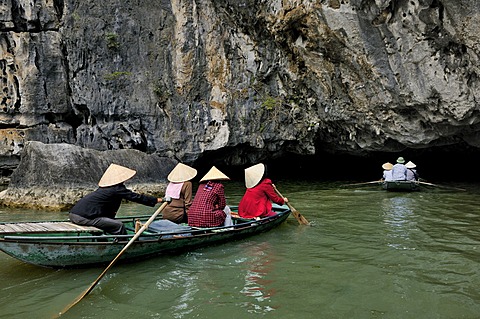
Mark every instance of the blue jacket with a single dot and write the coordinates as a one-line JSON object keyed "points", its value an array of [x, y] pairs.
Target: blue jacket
{"points": [[399, 172]]}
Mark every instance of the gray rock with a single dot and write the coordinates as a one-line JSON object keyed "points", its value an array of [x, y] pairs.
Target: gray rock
{"points": [[55, 176]]}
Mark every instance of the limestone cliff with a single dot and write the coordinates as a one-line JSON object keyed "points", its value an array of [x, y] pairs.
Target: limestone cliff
{"points": [[255, 78]]}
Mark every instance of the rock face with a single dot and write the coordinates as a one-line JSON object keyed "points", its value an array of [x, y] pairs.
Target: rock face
{"points": [[251, 79], [55, 176]]}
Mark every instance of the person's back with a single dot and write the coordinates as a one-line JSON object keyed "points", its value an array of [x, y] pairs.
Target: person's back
{"points": [[387, 173], [257, 200], [399, 171], [207, 209], [180, 191], [411, 172], [177, 210]]}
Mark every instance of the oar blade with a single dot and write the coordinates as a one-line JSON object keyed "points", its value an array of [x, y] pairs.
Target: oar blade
{"points": [[299, 217]]}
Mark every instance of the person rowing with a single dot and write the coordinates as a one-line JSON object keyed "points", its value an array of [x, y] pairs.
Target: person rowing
{"points": [[260, 193], [100, 207]]}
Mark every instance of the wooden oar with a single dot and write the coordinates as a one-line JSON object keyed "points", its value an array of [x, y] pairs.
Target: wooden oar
{"points": [[365, 183], [301, 220], [137, 234], [440, 186]]}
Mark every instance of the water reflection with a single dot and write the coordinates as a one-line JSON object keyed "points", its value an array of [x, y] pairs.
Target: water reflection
{"points": [[184, 282], [399, 218], [257, 265]]}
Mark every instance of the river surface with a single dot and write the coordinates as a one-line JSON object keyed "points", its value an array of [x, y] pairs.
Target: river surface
{"points": [[368, 254]]}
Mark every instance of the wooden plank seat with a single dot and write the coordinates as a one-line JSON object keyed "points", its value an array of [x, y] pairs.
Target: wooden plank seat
{"points": [[47, 227]]}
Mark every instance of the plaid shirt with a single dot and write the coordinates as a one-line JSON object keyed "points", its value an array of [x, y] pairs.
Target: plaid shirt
{"points": [[208, 204]]}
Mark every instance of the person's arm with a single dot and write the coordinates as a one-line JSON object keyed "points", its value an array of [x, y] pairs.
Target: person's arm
{"points": [[138, 198], [272, 194]]}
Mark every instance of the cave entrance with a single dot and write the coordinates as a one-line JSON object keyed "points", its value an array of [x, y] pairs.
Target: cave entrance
{"points": [[436, 164]]}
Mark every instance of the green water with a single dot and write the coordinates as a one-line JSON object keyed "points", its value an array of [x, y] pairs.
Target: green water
{"points": [[369, 254]]}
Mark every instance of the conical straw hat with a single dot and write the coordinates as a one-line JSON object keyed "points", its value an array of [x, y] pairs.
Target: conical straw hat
{"points": [[181, 173], [410, 165], [387, 166], [116, 174], [214, 174], [254, 174]]}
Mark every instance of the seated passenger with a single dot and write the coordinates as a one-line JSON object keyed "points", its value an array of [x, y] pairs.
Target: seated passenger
{"points": [[399, 171], [411, 172], [387, 173], [258, 198], [208, 206], [180, 190]]}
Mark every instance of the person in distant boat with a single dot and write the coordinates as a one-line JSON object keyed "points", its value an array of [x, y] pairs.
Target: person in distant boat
{"points": [[399, 171], [100, 207], [411, 171], [258, 198], [180, 191], [209, 204], [387, 172]]}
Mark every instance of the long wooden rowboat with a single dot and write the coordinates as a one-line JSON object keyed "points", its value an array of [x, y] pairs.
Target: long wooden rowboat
{"points": [[62, 244], [400, 186]]}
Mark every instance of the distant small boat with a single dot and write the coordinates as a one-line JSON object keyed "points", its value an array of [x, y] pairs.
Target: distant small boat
{"points": [[400, 186], [62, 244]]}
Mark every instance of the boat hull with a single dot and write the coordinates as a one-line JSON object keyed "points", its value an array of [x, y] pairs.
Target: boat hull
{"points": [[62, 251], [400, 186]]}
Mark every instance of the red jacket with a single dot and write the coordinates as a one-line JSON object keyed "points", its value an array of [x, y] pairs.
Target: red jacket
{"points": [[257, 201]]}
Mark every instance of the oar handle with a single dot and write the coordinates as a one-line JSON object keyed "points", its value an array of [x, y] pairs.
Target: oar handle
{"points": [[364, 183], [278, 192]]}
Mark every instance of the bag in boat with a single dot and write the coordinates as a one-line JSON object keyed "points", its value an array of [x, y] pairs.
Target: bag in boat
{"points": [[166, 226]]}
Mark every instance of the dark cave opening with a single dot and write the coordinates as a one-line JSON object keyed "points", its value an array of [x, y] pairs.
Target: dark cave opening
{"points": [[436, 164]]}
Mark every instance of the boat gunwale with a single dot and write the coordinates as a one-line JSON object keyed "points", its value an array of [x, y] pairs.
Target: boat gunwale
{"points": [[144, 237]]}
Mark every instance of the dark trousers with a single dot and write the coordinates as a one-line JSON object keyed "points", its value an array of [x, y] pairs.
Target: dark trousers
{"points": [[109, 225]]}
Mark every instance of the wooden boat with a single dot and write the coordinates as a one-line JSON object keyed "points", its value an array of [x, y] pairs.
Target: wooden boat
{"points": [[400, 186], [62, 244]]}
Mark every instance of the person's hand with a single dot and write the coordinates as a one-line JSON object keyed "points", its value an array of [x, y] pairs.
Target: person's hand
{"points": [[285, 200]]}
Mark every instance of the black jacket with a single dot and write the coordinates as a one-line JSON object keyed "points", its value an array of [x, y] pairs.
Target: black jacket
{"points": [[105, 201]]}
